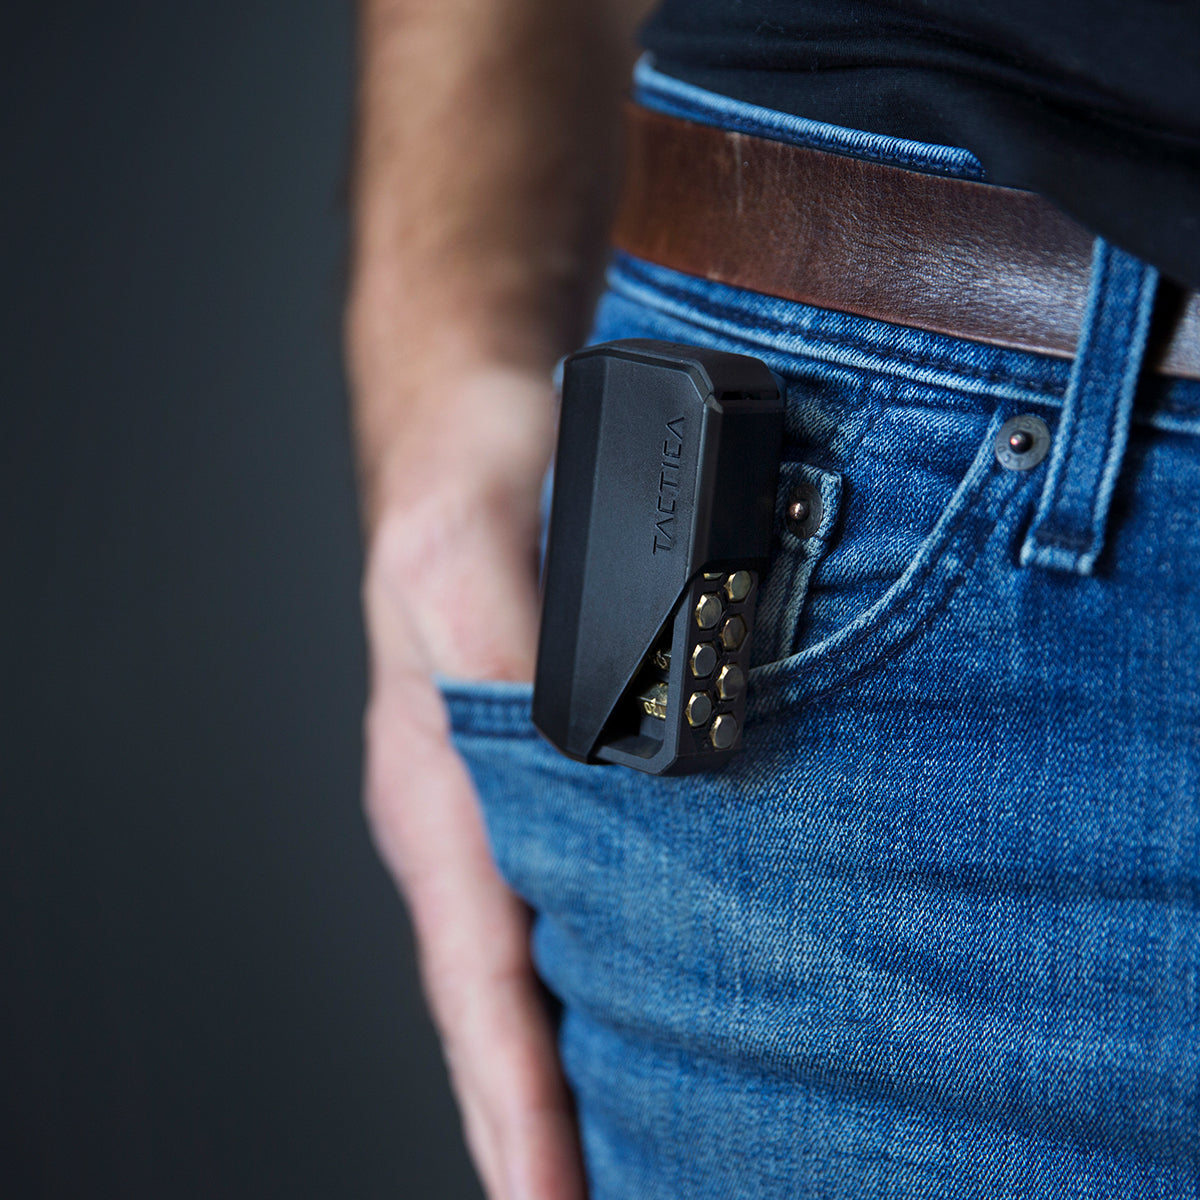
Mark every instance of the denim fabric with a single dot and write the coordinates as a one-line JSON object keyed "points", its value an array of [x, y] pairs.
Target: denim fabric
{"points": [[656, 90], [935, 931], [1068, 530]]}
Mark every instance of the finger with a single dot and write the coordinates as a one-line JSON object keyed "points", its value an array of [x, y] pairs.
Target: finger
{"points": [[482, 1143], [472, 936], [503, 1057], [538, 1134]]}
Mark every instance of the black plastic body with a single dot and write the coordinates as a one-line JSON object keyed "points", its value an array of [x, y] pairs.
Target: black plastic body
{"points": [[667, 464]]}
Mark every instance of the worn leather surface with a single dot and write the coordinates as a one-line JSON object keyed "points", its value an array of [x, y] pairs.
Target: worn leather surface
{"points": [[951, 256]]}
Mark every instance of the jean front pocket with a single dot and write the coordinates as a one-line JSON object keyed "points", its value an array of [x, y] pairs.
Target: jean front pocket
{"points": [[493, 731], [617, 864], [539, 806], [922, 496]]}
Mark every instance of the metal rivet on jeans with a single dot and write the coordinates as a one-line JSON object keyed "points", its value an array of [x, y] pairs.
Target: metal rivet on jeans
{"points": [[804, 510], [1022, 443]]}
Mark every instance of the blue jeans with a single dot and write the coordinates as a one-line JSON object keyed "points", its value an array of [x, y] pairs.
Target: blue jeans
{"points": [[935, 931]]}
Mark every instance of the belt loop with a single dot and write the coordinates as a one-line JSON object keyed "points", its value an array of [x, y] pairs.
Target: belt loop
{"points": [[1067, 533]]}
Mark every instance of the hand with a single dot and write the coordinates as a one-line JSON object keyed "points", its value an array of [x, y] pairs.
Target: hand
{"points": [[451, 588]]}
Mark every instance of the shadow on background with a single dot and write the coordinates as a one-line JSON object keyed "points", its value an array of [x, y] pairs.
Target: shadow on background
{"points": [[207, 976]]}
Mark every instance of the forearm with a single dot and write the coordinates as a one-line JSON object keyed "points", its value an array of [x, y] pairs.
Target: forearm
{"points": [[483, 180], [483, 177]]}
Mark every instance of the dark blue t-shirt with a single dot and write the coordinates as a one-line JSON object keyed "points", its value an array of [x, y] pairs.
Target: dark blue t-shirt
{"points": [[1095, 105]]}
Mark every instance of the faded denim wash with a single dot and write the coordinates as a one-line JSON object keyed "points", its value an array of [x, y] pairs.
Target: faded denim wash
{"points": [[935, 931]]}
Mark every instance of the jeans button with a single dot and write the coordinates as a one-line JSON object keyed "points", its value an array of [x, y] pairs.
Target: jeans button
{"points": [[1022, 443]]}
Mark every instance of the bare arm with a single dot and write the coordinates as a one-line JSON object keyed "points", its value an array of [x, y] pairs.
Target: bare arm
{"points": [[484, 176], [483, 179]]}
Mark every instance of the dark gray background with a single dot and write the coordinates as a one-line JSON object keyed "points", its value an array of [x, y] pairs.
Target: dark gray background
{"points": [[207, 976]]}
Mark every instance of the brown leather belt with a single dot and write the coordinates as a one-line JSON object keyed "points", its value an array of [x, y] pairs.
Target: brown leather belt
{"points": [[952, 256]]}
